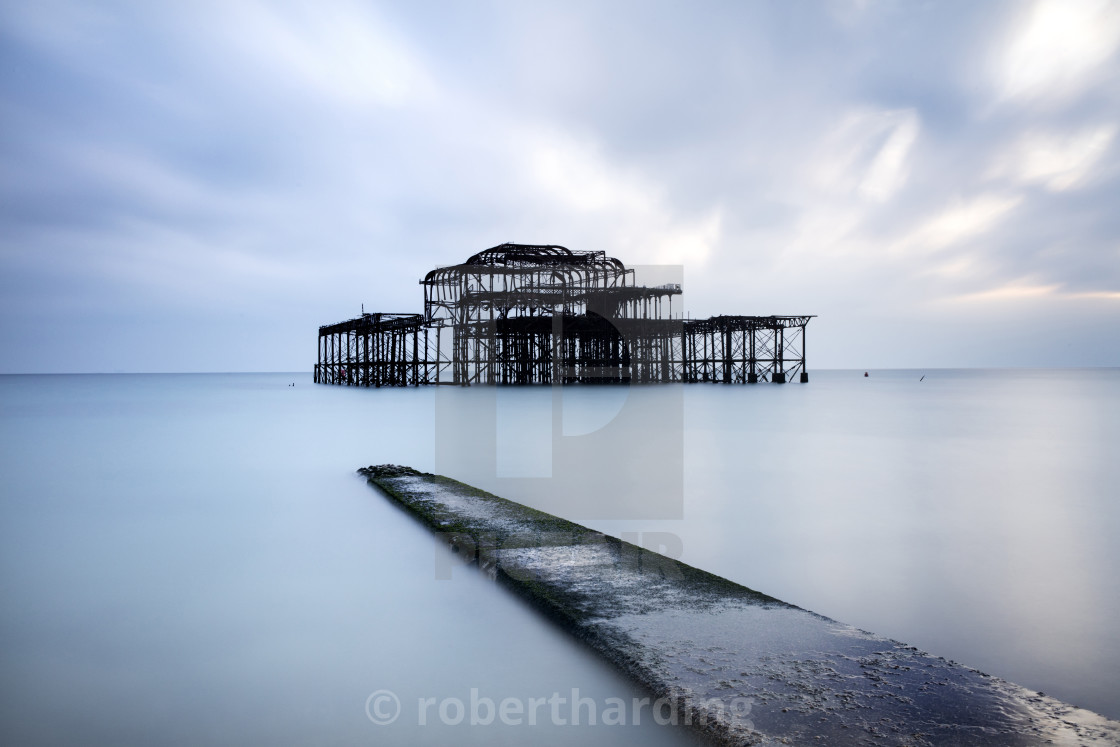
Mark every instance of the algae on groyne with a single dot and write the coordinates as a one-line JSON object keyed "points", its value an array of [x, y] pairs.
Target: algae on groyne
{"points": [[707, 645]]}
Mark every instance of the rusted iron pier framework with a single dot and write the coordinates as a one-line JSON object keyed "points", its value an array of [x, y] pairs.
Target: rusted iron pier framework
{"points": [[519, 314]]}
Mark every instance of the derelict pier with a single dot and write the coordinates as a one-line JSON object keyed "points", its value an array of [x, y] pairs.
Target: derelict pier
{"points": [[520, 314]]}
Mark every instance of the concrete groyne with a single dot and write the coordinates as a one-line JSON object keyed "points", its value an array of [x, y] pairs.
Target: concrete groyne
{"points": [[707, 646]]}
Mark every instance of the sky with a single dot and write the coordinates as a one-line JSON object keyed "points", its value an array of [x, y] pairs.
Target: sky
{"points": [[197, 186]]}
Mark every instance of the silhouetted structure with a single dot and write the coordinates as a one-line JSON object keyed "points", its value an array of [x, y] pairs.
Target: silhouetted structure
{"points": [[518, 314]]}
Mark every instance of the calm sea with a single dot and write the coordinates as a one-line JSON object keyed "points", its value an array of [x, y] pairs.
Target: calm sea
{"points": [[188, 558]]}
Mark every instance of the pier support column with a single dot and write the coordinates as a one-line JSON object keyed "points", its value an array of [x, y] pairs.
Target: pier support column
{"points": [[727, 356]]}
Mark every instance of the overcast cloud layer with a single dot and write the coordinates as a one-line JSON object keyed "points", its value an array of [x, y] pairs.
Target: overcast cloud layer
{"points": [[197, 186]]}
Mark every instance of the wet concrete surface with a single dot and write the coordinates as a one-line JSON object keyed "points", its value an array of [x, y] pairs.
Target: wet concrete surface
{"points": [[740, 666]]}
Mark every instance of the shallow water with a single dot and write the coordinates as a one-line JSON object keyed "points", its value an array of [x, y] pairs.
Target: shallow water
{"points": [[190, 558], [973, 514]]}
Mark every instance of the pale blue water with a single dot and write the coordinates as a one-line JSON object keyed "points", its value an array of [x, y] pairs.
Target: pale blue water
{"points": [[191, 558], [974, 514]]}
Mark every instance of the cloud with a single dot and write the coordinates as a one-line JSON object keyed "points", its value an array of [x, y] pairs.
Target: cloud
{"points": [[1025, 291], [1059, 47], [840, 160], [339, 49], [1056, 161], [959, 222], [887, 172], [577, 175], [867, 153]]}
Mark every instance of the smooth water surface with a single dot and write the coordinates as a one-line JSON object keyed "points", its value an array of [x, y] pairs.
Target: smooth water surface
{"points": [[973, 513], [192, 560], [189, 558]]}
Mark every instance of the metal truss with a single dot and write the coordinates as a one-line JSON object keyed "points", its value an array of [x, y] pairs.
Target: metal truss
{"points": [[521, 314]]}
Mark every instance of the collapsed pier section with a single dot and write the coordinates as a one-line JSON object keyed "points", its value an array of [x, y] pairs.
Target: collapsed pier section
{"points": [[520, 314]]}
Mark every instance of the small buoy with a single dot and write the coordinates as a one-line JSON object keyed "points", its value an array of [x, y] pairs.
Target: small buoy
{"points": [[865, 374]]}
